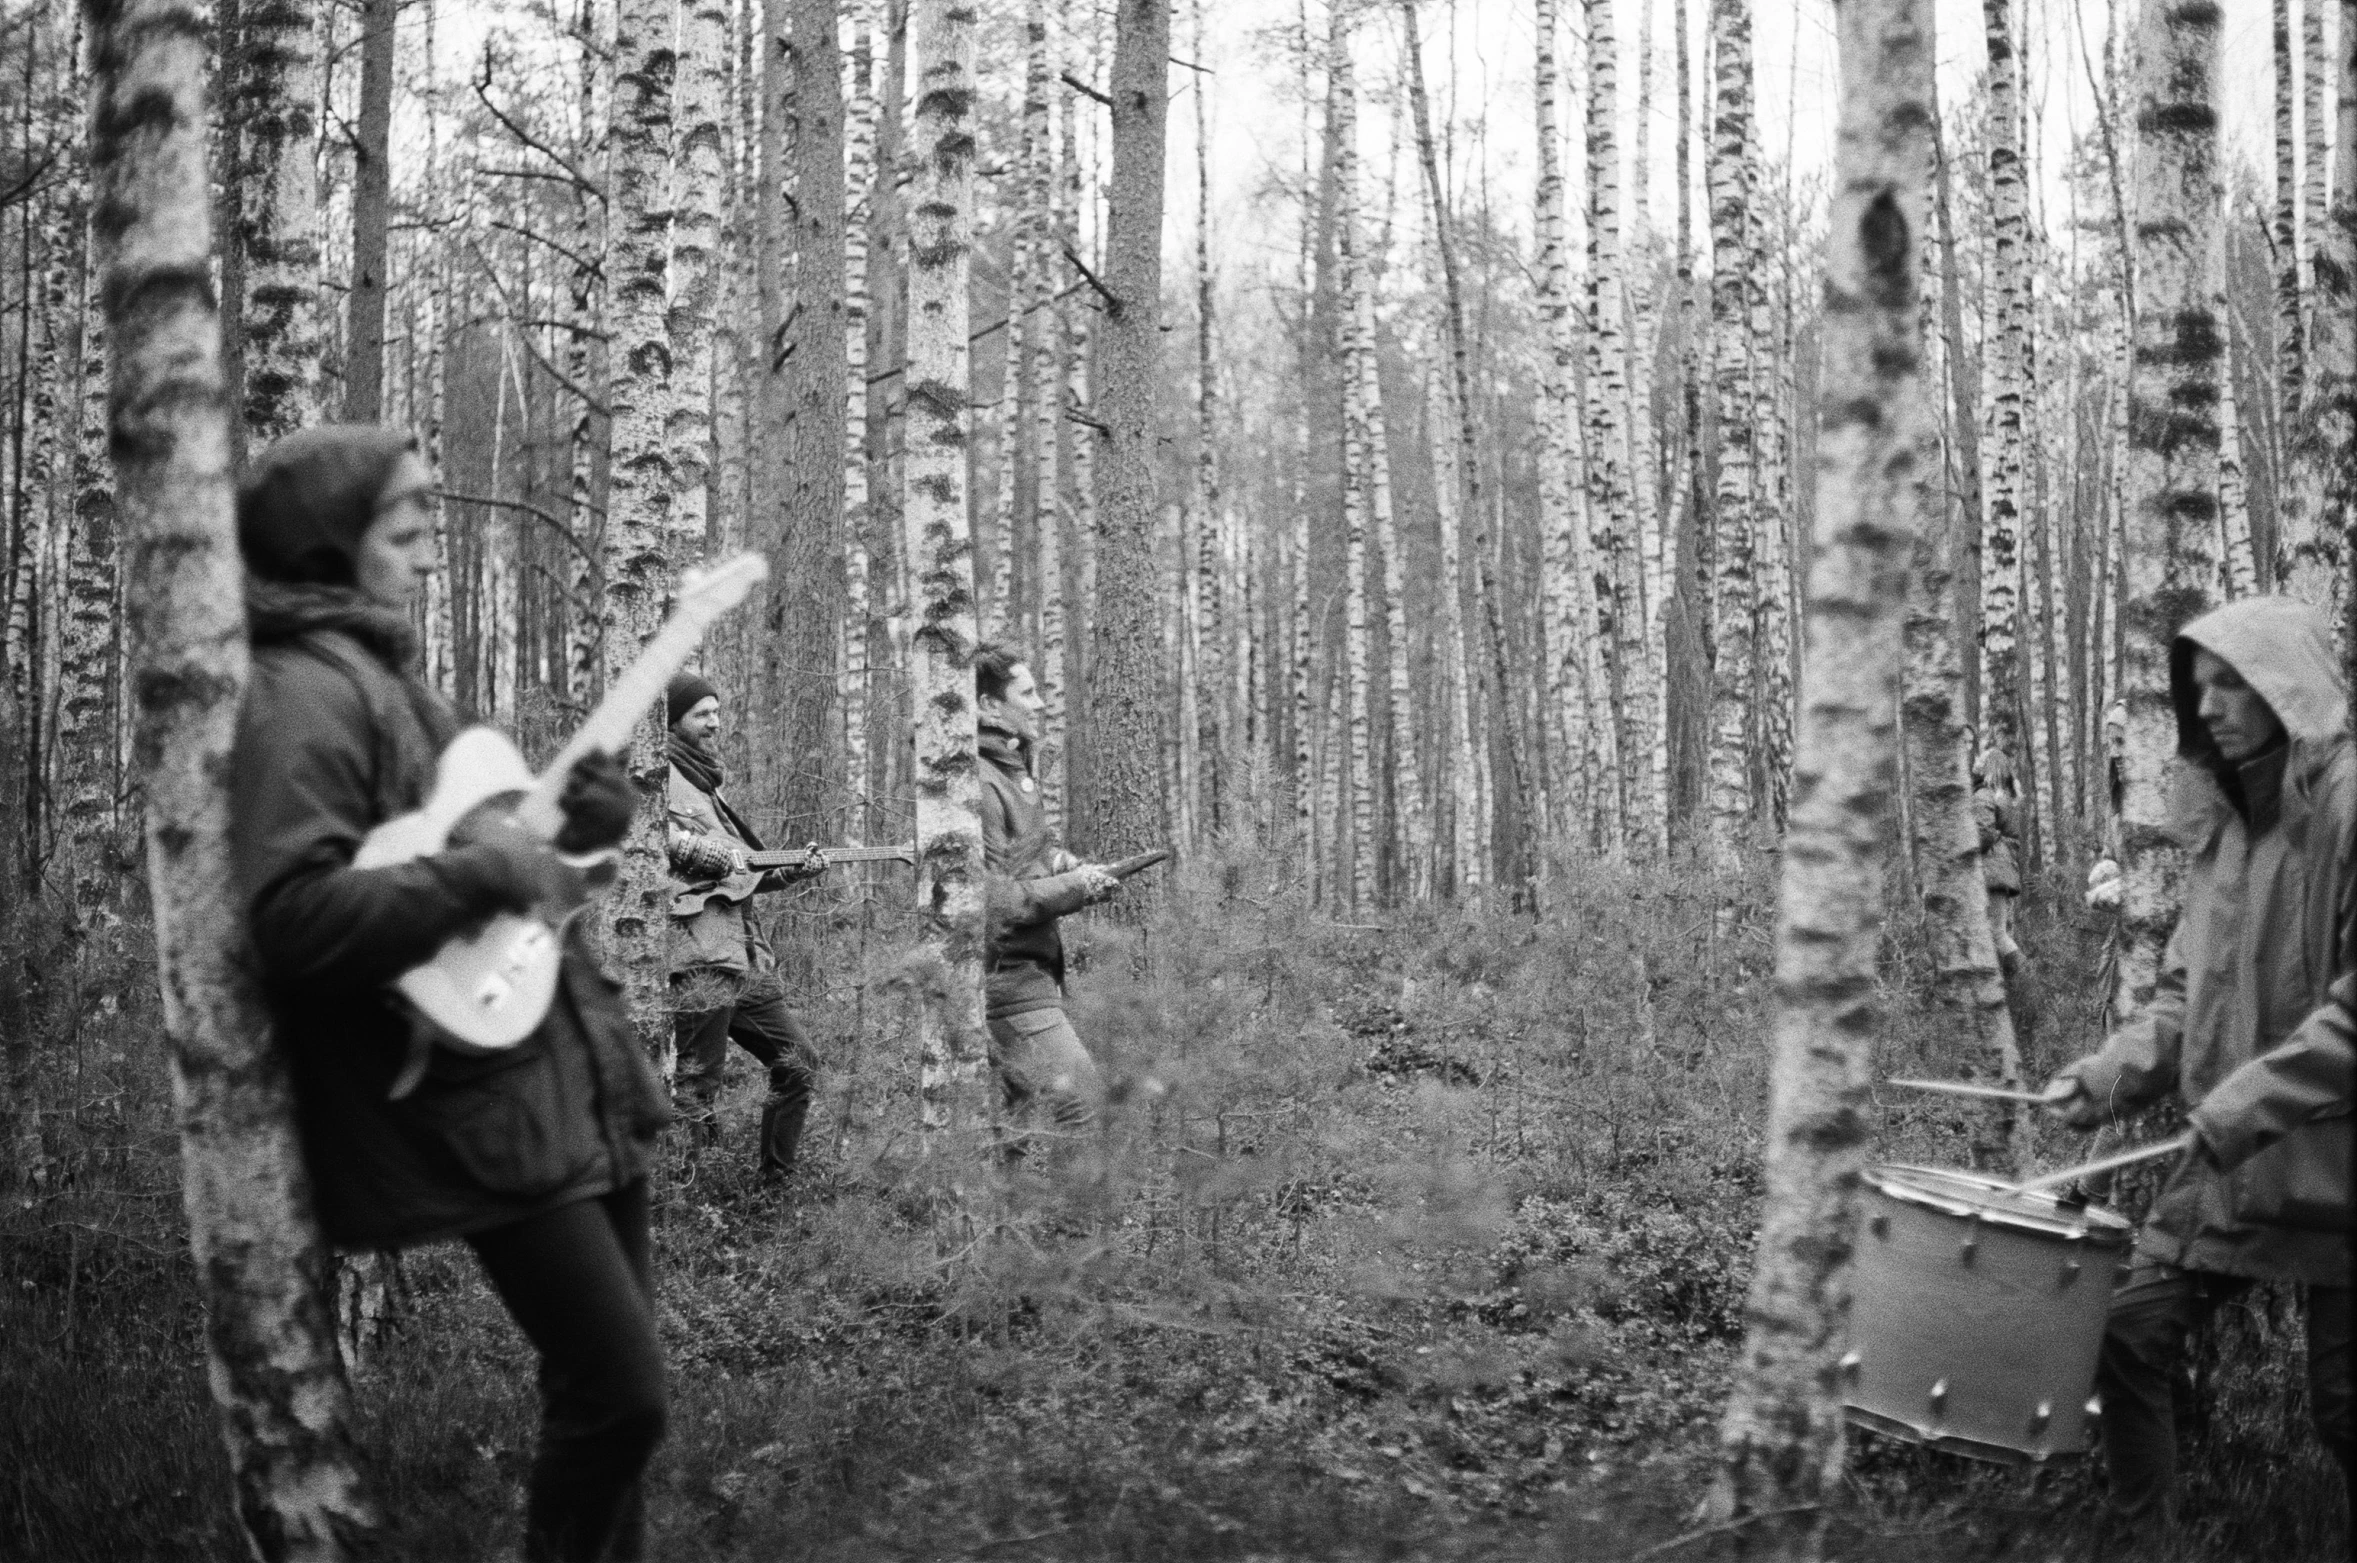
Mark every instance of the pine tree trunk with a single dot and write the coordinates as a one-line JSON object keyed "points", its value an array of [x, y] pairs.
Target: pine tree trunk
{"points": [[1781, 1438], [1733, 596], [644, 484], [372, 184], [275, 81], [2172, 529], [284, 1409], [1123, 809], [805, 603]]}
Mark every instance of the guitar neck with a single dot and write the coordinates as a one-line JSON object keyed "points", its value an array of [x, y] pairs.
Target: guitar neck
{"points": [[796, 857], [628, 700]]}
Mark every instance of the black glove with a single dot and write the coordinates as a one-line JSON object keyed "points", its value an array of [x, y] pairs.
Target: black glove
{"points": [[598, 801]]}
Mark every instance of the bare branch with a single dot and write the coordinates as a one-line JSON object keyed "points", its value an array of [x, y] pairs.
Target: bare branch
{"points": [[482, 86]]}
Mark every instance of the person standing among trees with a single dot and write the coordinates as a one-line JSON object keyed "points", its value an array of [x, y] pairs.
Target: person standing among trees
{"points": [[2267, 809], [1043, 1070], [1994, 813], [536, 1156], [724, 983]]}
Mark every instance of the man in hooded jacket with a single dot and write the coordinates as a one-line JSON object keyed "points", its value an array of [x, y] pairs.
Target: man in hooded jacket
{"points": [[2267, 809], [535, 1156]]}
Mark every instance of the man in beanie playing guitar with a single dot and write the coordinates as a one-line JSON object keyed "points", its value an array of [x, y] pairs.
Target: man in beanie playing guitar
{"points": [[724, 982]]}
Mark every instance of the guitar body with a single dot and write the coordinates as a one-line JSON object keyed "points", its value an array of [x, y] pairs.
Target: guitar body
{"points": [[489, 988]]}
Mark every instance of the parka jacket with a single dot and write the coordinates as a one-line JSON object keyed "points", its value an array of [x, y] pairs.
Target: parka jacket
{"points": [[2268, 893], [2306, 1079], [1995, 820], [1030, 881], [332, 741], [715, 933]]}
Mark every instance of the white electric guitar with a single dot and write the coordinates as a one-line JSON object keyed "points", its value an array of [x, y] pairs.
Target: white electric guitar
{"points": [[489, 987]]}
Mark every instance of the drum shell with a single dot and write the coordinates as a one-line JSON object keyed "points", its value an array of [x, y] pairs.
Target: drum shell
{"points": [[1977, 1314]]}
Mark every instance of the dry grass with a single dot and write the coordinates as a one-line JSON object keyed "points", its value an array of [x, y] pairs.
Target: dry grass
{"points": [[1420, 1241]]}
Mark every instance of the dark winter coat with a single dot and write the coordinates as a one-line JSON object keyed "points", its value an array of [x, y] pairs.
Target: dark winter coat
{"points": [[2308, 1078], [2269, 889], [1994, 817], [1030, 883], [333, 740]]}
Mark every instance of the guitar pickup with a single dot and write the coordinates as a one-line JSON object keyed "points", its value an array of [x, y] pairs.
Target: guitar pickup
{"points": [[492, 992], [527, 948]]}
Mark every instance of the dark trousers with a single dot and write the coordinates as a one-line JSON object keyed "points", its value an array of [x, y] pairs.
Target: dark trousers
{"points": [[2152, 1314], [759, 1022], [578, 1281]]}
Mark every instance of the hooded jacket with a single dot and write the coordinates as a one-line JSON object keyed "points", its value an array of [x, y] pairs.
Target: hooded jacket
{"points": [[2268, 897], [334, 738], [1030, 881]]}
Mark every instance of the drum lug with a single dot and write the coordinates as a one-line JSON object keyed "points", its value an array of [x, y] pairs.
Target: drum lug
{"points": [[1851, 1365], [1972, 1237], [2094, 1407], [1879, 1225], [2040, 1417], [1939, 1397], [2070, 1271]]}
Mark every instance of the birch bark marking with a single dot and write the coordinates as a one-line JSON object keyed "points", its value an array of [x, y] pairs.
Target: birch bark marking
{"points": [[951, 1040], [1342, 94], [1412, 877], [2290, 338], [1064, 635], [643, 486], [2172, 517], [1616, 632], [2319, 562], [858, 613], [1044, 335], [2008, 392], [1124, 667], [1564, 732], [1781, 1438], [1732, 595], [1647, 676], [271, 1356], [275, 81]]}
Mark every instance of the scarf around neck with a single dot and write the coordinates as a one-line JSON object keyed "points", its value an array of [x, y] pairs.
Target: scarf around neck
{"points": [[702, 769]]}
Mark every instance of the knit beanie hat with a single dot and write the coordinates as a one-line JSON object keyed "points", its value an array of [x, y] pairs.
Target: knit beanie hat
{"points": [[686, 689], [305, 502]]}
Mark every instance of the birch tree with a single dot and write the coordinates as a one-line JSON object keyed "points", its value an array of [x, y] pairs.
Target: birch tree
{"points": [[1731, 524], [2317, 568], [1781, 1438], [859, 179], [270, 1348], [1565, 730], [2171, 523], [2008, 389], [644, 483], [275, 82], [1618, 624]]}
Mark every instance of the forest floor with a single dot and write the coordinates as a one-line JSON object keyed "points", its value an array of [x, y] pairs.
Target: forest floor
{"points": [[1419, 1238]]}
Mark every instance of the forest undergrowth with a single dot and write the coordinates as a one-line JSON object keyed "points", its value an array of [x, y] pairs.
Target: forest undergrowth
{"points": [[1419, 1236]]}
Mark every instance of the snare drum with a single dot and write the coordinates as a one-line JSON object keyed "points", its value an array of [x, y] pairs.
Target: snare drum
{"points": [[1976, 1314]]}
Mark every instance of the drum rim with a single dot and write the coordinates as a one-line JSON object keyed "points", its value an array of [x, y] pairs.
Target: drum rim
{"points": [[2085, 1223]]}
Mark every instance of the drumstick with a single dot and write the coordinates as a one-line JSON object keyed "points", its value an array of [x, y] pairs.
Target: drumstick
{"points": [[1960, 1088], [2168, 1147]]}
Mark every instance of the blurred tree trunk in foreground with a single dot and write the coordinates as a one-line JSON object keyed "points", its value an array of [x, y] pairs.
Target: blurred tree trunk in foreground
{"points": [[283, 1405], [1782, 1433]]}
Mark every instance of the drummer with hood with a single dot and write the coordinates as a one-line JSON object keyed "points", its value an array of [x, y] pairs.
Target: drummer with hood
{"points": [[2265, 807]]}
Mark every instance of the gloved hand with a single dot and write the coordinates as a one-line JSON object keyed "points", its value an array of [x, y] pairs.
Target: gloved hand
{"points": [[598, 802], [2104, 885], [528, 874], [2066, 1096], [1102, 883]]}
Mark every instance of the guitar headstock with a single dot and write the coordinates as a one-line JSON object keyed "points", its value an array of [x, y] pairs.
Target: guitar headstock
{"points": [[707, 594]]}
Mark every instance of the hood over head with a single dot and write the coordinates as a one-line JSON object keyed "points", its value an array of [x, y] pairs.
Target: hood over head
{"points": [[306, 501], [2282, 647]]}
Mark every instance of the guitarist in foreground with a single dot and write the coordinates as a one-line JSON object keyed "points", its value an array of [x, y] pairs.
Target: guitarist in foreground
{"points": [[723, 973], [535, 1155]]}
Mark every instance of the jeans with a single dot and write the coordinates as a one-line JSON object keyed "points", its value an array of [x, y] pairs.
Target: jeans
{"points": [[1047, 1081], [2152, 1313], [578, 1281], [759, 1022]]}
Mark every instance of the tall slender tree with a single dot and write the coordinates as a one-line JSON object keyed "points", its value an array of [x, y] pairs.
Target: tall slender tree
{"points": [[274, 72], [1781, 1438], [1733, 592], [285, 1413]]}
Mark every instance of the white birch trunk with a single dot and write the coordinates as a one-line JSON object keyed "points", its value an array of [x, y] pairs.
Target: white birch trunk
{"points": [[277, 86], [1781, 1437], [951, 1040], [2008, 392], [1732, 593], [1343, 95], [285, 1412], [1565, 640], [858, 606], [1617, 628]]}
